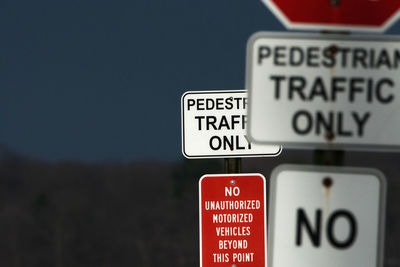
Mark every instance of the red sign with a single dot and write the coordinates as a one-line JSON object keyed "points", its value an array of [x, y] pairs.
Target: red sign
{"points": [[233, 220], [361, 15]]}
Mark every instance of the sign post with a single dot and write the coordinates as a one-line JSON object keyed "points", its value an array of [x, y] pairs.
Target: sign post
{"points": [[326, 216], [233, 220], [325, 92]]}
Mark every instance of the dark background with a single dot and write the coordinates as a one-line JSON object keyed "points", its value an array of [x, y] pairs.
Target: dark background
{"points": [[91, 172]]}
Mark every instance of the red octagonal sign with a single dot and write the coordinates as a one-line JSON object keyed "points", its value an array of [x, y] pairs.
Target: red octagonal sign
{"points": [[358, 15]]}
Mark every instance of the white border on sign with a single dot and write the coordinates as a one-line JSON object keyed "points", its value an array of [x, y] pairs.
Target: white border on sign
{"points": [[243, 155], [332, 27], [333, 169], [265, 211]]}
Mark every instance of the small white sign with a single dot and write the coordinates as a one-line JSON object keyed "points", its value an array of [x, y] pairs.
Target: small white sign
{"points": [[214, 126], [324, 91], [326, 216]]}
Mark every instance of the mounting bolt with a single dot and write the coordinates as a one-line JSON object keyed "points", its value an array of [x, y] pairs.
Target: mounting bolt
{"points": [[329, 136], [327, 182], [333, 50]]}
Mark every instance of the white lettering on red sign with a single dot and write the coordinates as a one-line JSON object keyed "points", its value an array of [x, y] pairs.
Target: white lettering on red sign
{"points": [[232, 220]]}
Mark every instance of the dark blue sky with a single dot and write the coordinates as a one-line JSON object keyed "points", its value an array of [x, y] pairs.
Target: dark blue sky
{"points": [[102, 80]]}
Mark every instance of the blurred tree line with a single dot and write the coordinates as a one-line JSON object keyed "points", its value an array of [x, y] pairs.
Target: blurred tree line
{"points": [[113, 214], [75, 214]]}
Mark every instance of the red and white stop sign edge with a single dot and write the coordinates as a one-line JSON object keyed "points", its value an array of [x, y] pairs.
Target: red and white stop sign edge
{"points": [[329, 27]]}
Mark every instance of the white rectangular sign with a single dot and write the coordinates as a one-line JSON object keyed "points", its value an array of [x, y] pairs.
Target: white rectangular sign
{"points": [[325, 91], [214, 126], [326, 216]]}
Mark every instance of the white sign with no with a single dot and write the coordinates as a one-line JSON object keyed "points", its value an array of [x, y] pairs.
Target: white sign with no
{"points": [[326, 216], [324, 90], [214, 126]]}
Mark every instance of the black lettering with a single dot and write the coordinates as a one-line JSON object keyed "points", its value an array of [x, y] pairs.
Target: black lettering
{"points": [[355, 86], [389, 98], [314, 234], [312, 56], [245, 103], [297, 84], [296, 56], [238, 147], [228, 143], [248, 141], [278, 55], [219, 103], [238, 102], [218, 144], [370, 90], [383, 59], [228, 103], [336, 87], [321, 121], [372, 58], [359, 57], [341, 131], [210, 121], [235, 120], [318, 89], [277, 80], [329, 58], [223, 123], [344, 51], [191, 103], [342, 244], [360, 122], [200, 104], [199, 118], [244, 121], [396, 59], [210, 104], [263, 52], [307, 124]]}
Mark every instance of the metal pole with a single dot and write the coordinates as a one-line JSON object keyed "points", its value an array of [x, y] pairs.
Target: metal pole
{"points": [[233, 165], [328, 157]]}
